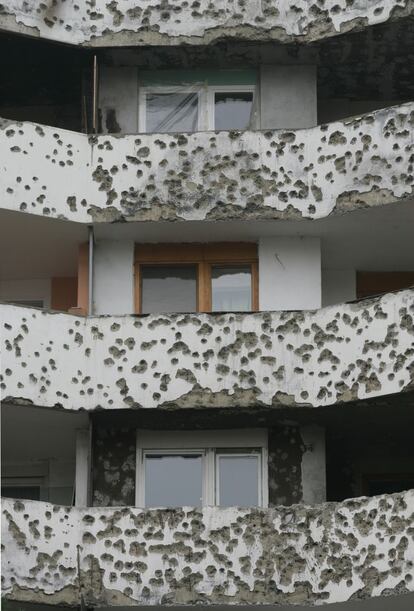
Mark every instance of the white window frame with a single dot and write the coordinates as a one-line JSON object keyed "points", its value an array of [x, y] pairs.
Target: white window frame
{"points": [[259, 455], [208, 444], [205, 94], [142, 103], [213, 89]]}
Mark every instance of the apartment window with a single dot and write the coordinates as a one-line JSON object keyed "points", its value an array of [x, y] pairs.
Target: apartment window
{"points": [[196, 277], [197, 107], [199, 468], [230, 108], [22, 487]]}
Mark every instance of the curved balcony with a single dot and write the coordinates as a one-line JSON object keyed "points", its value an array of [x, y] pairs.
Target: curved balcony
{"points": [[312, 358], [126, 23], [323, 554], [309, 173]]}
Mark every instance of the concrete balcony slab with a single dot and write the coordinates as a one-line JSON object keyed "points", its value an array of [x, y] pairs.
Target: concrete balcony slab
{"points": [[338, 354], [296, 174], [312, 555]]}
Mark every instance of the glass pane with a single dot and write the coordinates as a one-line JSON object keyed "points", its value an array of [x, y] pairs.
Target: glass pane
{"points": [[173, 480], [232, 110], [231, 288], [169, 288], [238, 480], [171, 112]]}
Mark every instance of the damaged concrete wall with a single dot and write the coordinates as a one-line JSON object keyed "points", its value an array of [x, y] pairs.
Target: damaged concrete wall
{"points": [[328, 553], [285, 451], [310, 358], [114, 458], [126, 23], [113, 466], [310, 173]]}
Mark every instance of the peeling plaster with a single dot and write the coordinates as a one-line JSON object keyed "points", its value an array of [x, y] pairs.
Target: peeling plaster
{"points": [[311, 358], [328, 553], [309, 173], [126, 23]]}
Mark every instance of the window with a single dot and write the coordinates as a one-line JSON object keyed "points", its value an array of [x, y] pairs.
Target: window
{"points": [[22, 487], [196, 277], [197, 107], [230, 107], [199, 468]]}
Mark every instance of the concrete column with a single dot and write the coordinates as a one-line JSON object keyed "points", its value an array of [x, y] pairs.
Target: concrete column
{"points": [[313, 464], [289, 273], [83, 454], [114, 277], [288, 96]]}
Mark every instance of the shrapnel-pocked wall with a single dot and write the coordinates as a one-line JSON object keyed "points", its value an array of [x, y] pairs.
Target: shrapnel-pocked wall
{"points": [[323, 554], [150, 22], [308, 173], [312, 358]]}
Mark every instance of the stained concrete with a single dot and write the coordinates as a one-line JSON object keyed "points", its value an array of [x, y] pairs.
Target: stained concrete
{"points": [[311, 358]]}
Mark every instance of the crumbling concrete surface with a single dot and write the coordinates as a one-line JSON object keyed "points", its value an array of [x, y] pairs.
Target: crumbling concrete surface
{"points": [[150, 22], [311, 358], [327, 553], [295, 174]]}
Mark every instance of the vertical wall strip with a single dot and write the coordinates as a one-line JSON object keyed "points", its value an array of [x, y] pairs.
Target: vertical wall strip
{"points": [[90, 270]]}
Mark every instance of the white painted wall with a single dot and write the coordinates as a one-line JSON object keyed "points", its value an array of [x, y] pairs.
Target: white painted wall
{"points": [[313, 464], [288, 96], [114, 277], [27, 289], [289, 273], [338, 286]]}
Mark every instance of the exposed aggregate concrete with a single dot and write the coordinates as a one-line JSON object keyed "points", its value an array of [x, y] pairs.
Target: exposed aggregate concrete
{"points": [[299, 555], [308, 173], [154, 22], [311, 358]]}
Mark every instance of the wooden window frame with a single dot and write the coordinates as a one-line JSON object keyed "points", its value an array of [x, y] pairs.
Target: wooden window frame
{"points": [[204, 257]]}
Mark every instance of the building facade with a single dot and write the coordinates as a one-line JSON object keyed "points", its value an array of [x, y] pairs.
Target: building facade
{"points": [[207, 302]]}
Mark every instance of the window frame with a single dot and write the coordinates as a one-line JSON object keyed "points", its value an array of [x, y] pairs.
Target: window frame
{"points": [[211, 444], [142, 104], [213, 89], [204, 257], [24, 481], [205, 95]]}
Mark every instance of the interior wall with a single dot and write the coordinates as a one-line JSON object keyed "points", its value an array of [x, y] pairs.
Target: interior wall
{"points": [[353, 454], [118, 99], [288, 98], [313, 466], [338, 286], [336, 109], [31, 289], [43, 448], [289, 273]]}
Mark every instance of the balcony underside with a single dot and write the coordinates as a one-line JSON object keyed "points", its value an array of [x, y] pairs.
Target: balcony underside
{"points": [[124, 23], [313, 173], [317, 358], [328, 553]]}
